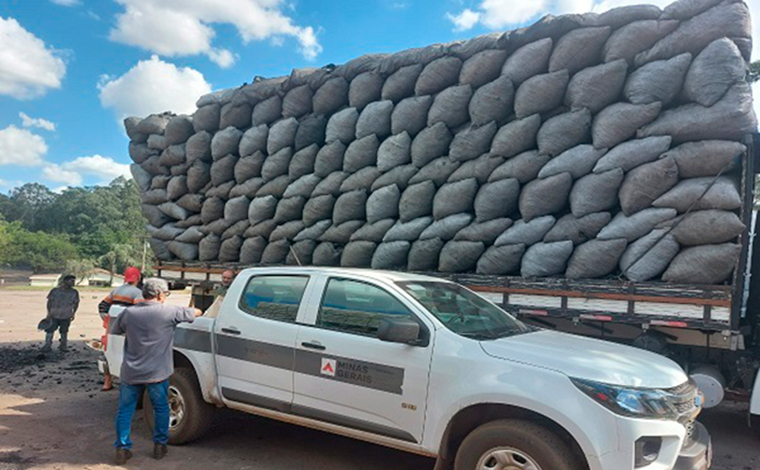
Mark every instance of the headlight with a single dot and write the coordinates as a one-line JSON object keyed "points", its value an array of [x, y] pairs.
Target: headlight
{"points": [[629, 401]]}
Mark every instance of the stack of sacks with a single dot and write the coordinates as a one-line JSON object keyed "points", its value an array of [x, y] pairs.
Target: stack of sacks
{"points": [[584, 146]]}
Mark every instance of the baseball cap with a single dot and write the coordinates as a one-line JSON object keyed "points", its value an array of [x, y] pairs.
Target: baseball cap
{"points": [[131, 274]]}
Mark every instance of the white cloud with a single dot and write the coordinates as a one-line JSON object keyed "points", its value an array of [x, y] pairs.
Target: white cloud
{"points": [[67, 3], [464, 20], [183, 27], [27, 121], [28, 67], [53, 172], [498, 14], [72, 173], [754, 10], [153, 86], [501, 14], [222, 57], [21, 147]]}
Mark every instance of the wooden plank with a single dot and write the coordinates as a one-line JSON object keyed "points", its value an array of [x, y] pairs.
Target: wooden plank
{"points": [[193, 269], [593, 295]]}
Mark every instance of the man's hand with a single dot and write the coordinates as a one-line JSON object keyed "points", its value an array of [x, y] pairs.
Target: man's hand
{"points": [[197, 312]]}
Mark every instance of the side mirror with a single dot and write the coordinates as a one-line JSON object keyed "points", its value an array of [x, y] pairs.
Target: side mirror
{"points": [[401, 330]]}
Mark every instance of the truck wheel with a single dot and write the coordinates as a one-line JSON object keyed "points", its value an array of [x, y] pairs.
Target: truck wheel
{"points": [[514, 445], [189, 415]]}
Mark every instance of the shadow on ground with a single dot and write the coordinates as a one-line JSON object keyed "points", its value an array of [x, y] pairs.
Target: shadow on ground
{"points": [[54, 416]]}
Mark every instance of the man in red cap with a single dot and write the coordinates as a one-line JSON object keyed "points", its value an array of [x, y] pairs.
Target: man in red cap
{"points": [[126, 294]]}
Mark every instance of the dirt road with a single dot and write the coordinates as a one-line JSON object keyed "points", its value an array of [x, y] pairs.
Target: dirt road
{"points": [[54, 416]]}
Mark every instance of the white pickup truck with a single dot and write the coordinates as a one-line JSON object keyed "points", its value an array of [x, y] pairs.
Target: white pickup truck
{"points": [[427, 366]]}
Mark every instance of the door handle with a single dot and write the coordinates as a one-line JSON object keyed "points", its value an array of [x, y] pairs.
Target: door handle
{"points": [[232, 331], [316, 346]]}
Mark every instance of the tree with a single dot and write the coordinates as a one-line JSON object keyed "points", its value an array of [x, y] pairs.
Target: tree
{"points": [[5, 241], [754, 71], [120, 256], [97, 220], [79, 268], [39, 251], [31, 202]]}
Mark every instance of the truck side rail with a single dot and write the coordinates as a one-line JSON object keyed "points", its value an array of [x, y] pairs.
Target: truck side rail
{"points": [[607, 300], [656, 304]]}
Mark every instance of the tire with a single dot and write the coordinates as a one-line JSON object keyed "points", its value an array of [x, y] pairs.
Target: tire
{"points": [[191, 415], [514, 444]]}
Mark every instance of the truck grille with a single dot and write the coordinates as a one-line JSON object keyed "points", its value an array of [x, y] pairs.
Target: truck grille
{"points": [[683, 398]]}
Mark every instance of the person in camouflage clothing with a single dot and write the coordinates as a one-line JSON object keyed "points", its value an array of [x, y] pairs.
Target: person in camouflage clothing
{"points": [[62, 305]]}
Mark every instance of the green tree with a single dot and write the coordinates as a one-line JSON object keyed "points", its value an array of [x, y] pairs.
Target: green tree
{"points": [[5, 242], [30, 205], [79, 268], [97, 220], [754, 71], [120, 256], [39, 251]]}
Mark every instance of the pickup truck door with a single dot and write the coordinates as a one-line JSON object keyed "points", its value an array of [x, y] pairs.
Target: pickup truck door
{"points": [[255, 337], [346, 376]]}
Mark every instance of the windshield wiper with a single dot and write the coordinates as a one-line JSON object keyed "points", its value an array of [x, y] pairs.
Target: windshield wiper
{"points": [[501, 332], [479, 336]]}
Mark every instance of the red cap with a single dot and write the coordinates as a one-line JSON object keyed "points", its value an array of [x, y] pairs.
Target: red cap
{"points": [[131, 274]]}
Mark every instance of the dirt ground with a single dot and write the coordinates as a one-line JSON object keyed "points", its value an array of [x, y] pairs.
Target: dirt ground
{"points": [[54, 416]]}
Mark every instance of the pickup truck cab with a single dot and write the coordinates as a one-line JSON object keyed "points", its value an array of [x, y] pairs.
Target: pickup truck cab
{"points": [[427, 366]]}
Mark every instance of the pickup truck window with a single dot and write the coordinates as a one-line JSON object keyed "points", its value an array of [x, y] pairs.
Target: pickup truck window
{"points": [[274, 297], [357, 307], [463, 311]]}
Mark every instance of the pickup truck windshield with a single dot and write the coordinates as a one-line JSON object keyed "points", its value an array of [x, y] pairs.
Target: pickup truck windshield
{"points": [[464, 312]]}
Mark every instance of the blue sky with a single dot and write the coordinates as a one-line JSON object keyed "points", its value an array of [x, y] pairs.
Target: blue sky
{"points": [[70, 69]]}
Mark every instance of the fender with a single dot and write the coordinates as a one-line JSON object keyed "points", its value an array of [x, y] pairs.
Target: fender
{"points": [[754, 403], [194, 343], [582, 438]]}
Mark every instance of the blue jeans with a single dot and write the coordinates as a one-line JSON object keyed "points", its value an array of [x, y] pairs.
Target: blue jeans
{"points": [[128, 397]]}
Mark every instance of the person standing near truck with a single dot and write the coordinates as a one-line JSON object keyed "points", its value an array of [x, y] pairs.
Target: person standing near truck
{"points": [[227, 277], [62, 305], [126, 294], [148, 363]]}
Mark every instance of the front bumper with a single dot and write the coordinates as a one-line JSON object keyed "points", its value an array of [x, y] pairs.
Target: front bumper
{"points": [[697, 453]]}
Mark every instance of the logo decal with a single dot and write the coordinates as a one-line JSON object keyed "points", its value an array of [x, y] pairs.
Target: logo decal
{"points": [[328, 367]]}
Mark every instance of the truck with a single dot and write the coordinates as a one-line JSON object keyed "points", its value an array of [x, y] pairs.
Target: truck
{"points": [[712, 331], [425, 365]]}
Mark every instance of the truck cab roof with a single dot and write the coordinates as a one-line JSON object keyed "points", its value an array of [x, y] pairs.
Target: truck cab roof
{"points": [[378, 275]]}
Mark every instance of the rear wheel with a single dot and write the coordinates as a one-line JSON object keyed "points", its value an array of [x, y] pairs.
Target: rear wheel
{"points": [[514, 445], [189, 415]]}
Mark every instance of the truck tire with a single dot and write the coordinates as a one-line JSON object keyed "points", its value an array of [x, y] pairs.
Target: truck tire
{"points": [[514, 444], [191, 416]]}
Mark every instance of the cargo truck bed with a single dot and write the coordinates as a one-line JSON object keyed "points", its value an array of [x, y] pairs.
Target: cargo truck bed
{"points": [[711, 308]]}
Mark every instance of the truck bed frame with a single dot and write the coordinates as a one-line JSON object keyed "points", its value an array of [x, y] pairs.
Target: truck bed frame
{"points": [[710, 309]]}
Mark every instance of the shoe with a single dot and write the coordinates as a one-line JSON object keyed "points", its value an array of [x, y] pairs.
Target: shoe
{"points": [[63, 348], [159, 451], [47, 347], [122, 455]]}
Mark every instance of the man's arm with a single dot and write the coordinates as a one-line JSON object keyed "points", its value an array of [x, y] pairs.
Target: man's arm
{"points": [[49, 302], [76, 306], [186, 314]]}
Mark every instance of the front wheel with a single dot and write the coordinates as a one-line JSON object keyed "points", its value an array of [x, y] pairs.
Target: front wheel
{"points": [[189, 415], [514, 445]]}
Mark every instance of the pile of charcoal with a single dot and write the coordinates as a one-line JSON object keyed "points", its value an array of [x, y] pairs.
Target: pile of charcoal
{"points": [[583, 146]]}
